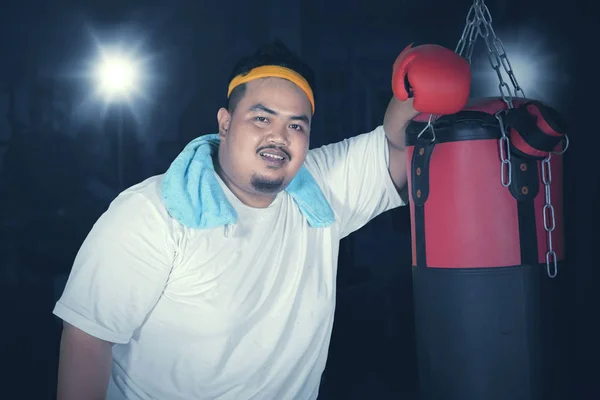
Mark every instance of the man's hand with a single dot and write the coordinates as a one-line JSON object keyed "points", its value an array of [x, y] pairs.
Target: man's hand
{"points": [[437, 78], [426, 79]]}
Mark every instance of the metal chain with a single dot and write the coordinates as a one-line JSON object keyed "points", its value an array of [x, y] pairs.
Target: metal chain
{"points": [[479, 24], [505, 166], [549, 218], [468, 37]]}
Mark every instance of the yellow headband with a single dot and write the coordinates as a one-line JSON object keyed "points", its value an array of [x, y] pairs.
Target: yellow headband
{"points": [[274, 71]]}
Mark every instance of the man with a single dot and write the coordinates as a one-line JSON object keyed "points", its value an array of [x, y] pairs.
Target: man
{"points": [[217, 279]]}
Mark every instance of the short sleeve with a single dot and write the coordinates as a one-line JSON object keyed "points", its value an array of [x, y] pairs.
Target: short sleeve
{"points": [[354, 176], [120, 270]]}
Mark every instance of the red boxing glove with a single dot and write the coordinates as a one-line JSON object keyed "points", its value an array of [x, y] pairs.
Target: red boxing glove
{"points": [[437, 78]]}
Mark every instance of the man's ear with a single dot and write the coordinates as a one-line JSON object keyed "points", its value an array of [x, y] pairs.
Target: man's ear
{"points": [[224, 120]]}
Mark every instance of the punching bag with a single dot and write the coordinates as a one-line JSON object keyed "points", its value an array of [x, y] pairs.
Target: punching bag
{"points": [[487, 221]]}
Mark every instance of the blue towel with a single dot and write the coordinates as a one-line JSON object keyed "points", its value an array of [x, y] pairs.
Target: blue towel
{"points": [[194, 197]]}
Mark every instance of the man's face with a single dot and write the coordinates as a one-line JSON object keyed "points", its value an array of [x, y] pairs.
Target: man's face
{"points": [[265, 140]]}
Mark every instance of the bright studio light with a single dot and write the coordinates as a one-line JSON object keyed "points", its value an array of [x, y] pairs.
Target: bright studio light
{"points": [[536, 65], [117, 76]]}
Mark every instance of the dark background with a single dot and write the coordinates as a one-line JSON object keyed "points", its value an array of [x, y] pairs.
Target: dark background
{"points": [[58, 149]]}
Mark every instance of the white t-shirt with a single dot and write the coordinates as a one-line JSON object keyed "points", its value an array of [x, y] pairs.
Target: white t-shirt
{"points": [[237, 312]]}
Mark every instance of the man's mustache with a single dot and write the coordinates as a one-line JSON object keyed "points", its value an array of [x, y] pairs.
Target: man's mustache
{"points": [[274, 147]]}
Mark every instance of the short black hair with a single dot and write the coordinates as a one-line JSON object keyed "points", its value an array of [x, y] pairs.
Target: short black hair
{"points": [[273, 53]]}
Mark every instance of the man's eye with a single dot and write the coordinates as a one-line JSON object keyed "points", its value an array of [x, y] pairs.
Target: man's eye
{"points": [[261, 119], [296, 127]]}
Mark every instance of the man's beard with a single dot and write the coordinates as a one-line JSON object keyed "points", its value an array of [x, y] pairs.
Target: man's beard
{"points": [[265, 185]]}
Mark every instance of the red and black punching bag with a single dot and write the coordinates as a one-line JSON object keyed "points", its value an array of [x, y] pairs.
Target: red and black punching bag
{"points": [[487, 221]]}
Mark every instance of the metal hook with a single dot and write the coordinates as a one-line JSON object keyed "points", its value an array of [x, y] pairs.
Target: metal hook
{"points": [[564, 148], [429, 126]]}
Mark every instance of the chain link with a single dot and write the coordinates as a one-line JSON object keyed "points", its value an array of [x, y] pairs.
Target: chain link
{"points": [[549, 218], [468, 38], [504, 144], [479, 24]]}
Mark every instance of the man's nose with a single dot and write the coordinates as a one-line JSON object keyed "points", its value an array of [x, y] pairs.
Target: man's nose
{"points": [[279, 135]]}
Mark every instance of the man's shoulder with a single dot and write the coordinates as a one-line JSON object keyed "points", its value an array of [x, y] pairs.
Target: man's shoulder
{"points": [[142, 200], [362, 137], [332, 151], [148, 189]]}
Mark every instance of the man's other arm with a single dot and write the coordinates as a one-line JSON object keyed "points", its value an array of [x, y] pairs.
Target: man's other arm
{"points": [[118, 276], [84, 365]]}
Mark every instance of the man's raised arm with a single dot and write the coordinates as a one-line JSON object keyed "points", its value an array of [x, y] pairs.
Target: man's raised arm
{"points": [[426, 79]]}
